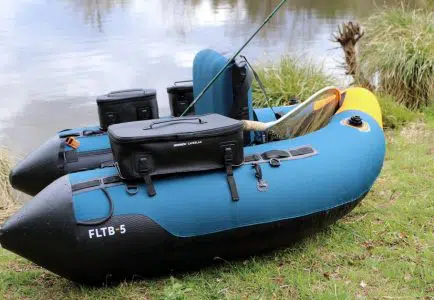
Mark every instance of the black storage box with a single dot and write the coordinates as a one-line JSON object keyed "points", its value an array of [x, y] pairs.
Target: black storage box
{"points": [[127, 106], [186, 144], [180, 97]]}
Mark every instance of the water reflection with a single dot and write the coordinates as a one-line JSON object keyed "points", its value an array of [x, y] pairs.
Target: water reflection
{"points": [[181, 13], [53, 65], [95, 11]]}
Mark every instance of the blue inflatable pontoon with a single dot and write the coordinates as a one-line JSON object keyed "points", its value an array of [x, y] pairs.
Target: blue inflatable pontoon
{"points": [[91, 228]]}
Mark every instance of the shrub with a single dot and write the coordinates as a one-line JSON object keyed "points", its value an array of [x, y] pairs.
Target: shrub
{"points": [[290, 78], [8, 197], [397, 53], [396, 115]]}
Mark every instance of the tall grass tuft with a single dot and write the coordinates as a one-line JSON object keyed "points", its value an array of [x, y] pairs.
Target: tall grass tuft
{"points": [[289, 78], [8, 197], [396, 115], [397, 54]]}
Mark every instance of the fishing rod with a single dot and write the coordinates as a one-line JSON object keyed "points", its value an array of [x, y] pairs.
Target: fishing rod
{"points": [[232, 58]]}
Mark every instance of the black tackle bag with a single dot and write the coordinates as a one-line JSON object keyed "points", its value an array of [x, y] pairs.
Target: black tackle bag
{"points": [[143, 149], [127, 106]]}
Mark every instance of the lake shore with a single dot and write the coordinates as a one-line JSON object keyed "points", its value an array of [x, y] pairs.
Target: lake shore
{"points": [[382, 249]]}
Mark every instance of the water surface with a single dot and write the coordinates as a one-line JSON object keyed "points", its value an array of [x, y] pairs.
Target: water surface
{"points": [[56, 56]]}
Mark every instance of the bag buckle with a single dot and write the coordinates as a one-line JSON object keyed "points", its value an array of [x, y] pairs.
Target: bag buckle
{"points": [[144, 168], [262, 185]]}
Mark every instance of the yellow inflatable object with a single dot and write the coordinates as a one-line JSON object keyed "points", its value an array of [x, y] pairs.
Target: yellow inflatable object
{"points": [[363, 100]]}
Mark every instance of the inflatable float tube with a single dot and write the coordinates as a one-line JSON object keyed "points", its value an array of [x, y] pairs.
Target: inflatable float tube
{"points": [[55, 158], [87, 228]]}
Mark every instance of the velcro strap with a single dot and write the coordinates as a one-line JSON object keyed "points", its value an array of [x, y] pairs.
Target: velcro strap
{"points": [[302, 151], [85, 185], [275, 154], [253, 157]]}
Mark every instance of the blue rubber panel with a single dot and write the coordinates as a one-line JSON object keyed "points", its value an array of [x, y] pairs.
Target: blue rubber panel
{"points": [[88, 143], [346, 166]]}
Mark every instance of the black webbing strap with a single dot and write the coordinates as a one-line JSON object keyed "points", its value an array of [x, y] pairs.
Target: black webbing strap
{"points": [[144, 168], [66, 135], [71, 156], [111, 179], [89, 132], [230, 174], [86, 185], [107, 164], [261, 85], [95, 183], [149, 185]]}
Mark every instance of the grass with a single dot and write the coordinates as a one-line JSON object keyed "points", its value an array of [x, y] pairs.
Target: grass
{"points": [[290, 78], [397, 54], [293, 78], [396, 115], [8, 197], [383, 249]]}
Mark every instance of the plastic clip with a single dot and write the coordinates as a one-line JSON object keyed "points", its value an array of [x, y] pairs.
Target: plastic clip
{"points": [[72, 142], [131, 189]]}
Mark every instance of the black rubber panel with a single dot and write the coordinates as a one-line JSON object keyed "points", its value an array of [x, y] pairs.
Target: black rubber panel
{"points": [[45, 232], [302, 151], [39, 168], [50, 161], [86, 185]]}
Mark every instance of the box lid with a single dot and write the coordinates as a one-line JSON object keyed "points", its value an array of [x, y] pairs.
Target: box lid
{"points": [[174, 128], [131, 95]]}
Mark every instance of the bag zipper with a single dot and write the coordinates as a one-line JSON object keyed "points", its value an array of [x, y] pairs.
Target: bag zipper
{"points": [[203, 134]]}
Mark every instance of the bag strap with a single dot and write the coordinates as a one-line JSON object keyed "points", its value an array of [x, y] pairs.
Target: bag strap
{"points": [[145, 169], [229, 158], [261, 85], [149, 185]]}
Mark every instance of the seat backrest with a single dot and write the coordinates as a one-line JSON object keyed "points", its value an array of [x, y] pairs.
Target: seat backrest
{"points": [[231, 94]]}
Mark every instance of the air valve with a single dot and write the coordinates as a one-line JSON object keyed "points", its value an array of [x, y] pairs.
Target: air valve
{"points": [[355, 121]]}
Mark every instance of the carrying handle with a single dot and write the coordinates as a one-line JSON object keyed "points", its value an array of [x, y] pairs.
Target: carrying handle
{"points": [[102, 220], [151, 126], [182, 81], [114, 93]]}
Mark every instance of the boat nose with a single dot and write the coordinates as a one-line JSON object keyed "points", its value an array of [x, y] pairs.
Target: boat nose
{"points": [[38, 169], [43, 230]]}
